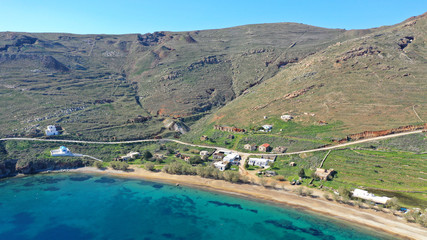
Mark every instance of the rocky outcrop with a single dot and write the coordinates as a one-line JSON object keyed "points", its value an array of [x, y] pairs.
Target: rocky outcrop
{"points": [[371, 134], [51, 63], [151, 39], [18, 41], [176, 126], [9, 168], [358, 52], [403, 42]]}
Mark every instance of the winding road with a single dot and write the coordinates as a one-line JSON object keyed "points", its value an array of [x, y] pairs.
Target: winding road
{"points": [[219, 148]]}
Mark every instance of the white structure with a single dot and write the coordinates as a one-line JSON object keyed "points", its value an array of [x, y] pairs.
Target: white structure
{"points": [[204, 153], [286, 117], [62, 151], [267, 128], [260, 162], [220, 165], [232, 158], [359, 193], [130, 155], [51, 130]]}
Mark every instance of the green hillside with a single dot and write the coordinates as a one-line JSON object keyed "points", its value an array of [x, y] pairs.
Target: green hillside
{"points": [[373, 82], [93, 84]]}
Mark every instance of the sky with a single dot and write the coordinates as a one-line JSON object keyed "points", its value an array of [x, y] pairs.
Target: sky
{"points": [[141, 16]]}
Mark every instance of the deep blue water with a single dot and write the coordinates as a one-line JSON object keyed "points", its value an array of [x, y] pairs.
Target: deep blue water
{"points": [[77, 206]]}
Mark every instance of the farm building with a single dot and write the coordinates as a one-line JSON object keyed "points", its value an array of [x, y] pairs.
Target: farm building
{"points": [[264, 147], [250, 147]]}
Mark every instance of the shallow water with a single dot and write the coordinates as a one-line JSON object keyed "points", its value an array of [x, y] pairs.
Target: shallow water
{"points": [[81, 206]]}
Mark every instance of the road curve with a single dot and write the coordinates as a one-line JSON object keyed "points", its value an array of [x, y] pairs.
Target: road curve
{"points": [[219, 148]]}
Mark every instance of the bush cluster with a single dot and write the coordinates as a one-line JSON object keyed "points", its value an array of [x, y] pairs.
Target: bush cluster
{"points": [[206, 172], [119, 165]]}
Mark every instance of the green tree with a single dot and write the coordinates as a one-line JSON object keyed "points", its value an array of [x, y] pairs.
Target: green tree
{"points": [[149, 166], [301, 173], [97, 164], [195, 160], [344, 193], [147, 155], [393, 203]]}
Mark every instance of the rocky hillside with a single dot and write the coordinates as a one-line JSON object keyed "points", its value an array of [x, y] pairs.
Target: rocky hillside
{"points": [[373, 82], [92, 83], [111, 87]]}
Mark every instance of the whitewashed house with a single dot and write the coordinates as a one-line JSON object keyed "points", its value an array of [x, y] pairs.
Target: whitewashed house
{"points": [[267, 128], [51, 130], [232, 159], [260, 162], [62, 151], [359, 193], [220, 165]]}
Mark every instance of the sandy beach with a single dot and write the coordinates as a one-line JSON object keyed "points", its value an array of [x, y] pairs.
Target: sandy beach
{"points": [[352, 214]]}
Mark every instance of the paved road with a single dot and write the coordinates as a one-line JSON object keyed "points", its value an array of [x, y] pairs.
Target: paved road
{"points": [[219, 148]]}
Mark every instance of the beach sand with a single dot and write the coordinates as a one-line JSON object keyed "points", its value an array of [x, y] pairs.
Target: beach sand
{"points": [[364, 217]]}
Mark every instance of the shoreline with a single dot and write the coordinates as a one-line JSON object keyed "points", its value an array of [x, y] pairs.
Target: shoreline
{"points": [[364, 218]]}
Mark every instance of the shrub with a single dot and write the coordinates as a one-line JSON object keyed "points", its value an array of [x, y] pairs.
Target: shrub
{"points": [[393, 203], [279, 178], [344, 193], [97, 164], [147, 155], [326, 196], [301, 173], [119, 166], [300, 191], [149, 166]]}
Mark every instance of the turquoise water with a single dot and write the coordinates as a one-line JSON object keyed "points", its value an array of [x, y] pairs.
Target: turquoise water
{"points": [[78, 206]]}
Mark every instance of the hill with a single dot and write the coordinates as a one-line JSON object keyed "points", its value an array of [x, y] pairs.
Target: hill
{"points": [[94, 85], [372, 82]]}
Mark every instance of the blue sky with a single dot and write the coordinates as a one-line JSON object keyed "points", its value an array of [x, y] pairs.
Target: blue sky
{"points": [[133, 16]]}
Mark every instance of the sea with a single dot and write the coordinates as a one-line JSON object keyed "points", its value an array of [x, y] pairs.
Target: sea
{"points": [[88, 206]]}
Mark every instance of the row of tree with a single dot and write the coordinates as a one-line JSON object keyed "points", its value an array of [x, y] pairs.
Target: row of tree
{"points": [[206, 172]]}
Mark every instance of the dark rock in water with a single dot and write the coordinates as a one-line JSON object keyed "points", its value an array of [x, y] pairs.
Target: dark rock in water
{"points": [[167, 235], [105, 180], [50, 180], [226, 204], [285, 224], [23, 219], [189, 200], [28, 184], [51, 189], [80, 178], [64, 232], [253, 210], [157, 186], [313, 231]]}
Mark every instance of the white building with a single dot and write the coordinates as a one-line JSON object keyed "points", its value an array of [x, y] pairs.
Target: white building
{"points": [[62, 151], [232, 158], [359, 193], [260, 162], [204, 153], [220, 165], [267, 128], [286, 117], [51, 130]]}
